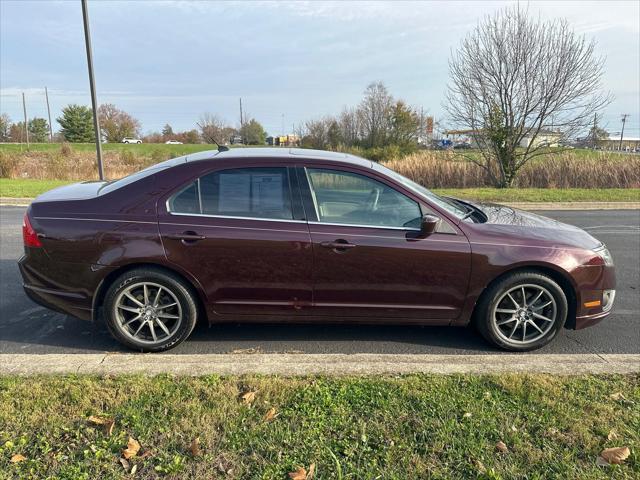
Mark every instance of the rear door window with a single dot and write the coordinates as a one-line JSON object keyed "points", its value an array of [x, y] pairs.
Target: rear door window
{"points": [[260, 192]]}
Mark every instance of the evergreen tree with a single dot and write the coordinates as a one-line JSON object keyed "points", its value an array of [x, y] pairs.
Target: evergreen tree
{"points": [[77, 124]]}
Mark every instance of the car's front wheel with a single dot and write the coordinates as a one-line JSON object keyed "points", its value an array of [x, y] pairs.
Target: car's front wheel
{"points": [[522, 311], [150, 310]]}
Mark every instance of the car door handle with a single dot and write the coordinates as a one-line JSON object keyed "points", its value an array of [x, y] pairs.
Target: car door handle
{"points": [[338, 245], [187, 237]]}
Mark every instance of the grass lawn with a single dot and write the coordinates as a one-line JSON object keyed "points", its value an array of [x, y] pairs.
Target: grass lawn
{"points": [[19, 187], [416, 426], [545, 194]]}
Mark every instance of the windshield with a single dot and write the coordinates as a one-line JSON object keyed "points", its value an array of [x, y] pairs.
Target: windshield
{"points": [[449, 205]]}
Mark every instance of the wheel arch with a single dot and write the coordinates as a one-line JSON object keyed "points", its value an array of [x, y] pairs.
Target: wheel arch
{"points": [[561, 277], [100, 293]]}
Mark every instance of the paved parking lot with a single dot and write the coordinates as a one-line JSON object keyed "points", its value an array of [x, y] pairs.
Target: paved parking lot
{"points": [[28, 328]]}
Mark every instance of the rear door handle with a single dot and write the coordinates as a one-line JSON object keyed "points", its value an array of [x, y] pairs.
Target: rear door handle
{"points": [[187, 237], [338, 245]]}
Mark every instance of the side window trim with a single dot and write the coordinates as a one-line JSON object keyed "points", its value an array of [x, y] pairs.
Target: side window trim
{"points": [[317, 221], [196, 182]]}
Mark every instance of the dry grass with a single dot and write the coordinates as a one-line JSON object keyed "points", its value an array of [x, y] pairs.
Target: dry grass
{"points": [[562, 170], [434, 169]]}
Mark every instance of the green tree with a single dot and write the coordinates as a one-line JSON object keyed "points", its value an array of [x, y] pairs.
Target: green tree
{"points": [[404, 125], [252, 133], [77, 124], [5, 128], [38, 130], [167, 131], [597, 136]]}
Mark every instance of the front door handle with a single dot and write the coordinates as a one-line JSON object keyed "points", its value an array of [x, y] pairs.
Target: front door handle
{"points": [[339, 245], [187, 237]]}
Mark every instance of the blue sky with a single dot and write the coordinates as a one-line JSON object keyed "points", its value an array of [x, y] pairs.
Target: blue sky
{"points": [[169, 62]]}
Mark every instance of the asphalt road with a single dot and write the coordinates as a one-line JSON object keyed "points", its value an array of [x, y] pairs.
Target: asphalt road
{"points": [[25, 327]]}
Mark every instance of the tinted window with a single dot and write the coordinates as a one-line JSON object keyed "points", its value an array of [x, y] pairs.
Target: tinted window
{"points": [[343, 197], [247, 192]]}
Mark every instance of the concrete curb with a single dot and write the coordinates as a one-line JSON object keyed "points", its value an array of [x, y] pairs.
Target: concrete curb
{"points": [[310, 364], [24, 202]]}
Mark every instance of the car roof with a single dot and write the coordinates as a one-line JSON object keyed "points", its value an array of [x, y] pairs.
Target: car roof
{"points": [[291, 154]]}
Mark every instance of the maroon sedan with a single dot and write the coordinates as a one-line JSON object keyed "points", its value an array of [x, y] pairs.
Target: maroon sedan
{"points": [[275, 235]]}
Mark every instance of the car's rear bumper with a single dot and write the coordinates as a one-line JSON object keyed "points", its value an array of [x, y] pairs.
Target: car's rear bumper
{"points": [[60, 286]]}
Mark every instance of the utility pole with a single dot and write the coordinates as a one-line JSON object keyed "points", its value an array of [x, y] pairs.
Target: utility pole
{"points": [[595, 131], [26, 125], [283, 124], [241, 120], [46, 94], [92, 85], [624, 120]]}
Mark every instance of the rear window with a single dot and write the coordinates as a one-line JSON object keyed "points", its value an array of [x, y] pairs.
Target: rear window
{"points": [[134, 177]]}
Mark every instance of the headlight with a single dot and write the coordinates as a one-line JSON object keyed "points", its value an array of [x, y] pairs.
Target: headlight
{"points": [[604, 253]]}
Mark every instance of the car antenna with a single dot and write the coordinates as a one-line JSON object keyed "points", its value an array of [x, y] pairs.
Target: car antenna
{"points": [[221, 148]]}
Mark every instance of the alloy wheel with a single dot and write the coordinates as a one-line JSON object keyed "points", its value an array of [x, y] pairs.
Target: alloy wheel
{"points": [[148, 312], [524, 314]]}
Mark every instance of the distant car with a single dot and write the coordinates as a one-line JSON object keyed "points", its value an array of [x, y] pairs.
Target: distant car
{"points": [[173, 142], [462, 146], [291, 235], [131, 140]]}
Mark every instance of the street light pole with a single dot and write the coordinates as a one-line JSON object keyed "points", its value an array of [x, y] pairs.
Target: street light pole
{"points": [[92, 85]]}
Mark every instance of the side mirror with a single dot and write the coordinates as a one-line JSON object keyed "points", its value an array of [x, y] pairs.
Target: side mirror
{"points": [[428, 224]]}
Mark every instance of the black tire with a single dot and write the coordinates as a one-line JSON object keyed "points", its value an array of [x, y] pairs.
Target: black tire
{"points": [[174, 286], [487, 325]]}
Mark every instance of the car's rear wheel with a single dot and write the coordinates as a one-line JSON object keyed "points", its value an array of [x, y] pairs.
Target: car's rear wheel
{"points": [[522, 311], [150, 310]]}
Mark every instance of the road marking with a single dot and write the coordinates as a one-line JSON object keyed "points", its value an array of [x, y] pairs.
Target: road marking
{"points": [[311, 364]]}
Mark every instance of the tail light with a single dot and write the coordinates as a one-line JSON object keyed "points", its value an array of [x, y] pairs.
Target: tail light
{"points": [[29, 235]]}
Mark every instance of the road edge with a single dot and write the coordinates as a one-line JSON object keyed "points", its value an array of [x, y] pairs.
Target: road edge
{"points": [[315, 364]]}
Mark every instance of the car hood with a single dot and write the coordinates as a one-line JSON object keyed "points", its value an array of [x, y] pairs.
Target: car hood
{"points": [[535, 229], [75, 191]]}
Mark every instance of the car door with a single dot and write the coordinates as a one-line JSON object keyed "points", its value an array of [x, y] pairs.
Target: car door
{"points": [[370, 259], [240, 232]]}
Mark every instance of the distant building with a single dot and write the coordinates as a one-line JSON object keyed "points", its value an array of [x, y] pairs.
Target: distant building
{"points": [[284, 141], [546, 138], [629, 144]]}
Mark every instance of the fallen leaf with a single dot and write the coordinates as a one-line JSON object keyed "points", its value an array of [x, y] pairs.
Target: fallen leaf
{"points": [[312, 471], [108, 427], [133, 470], [195, 447], [501, 447], [479, 466], [299, 474], [270, 415], [133, 447], [467, 415], [612, 435], [96, 420], [615, 455], [124, 464], [147, 453], [249, 397], [18, 458], [617, 396]]}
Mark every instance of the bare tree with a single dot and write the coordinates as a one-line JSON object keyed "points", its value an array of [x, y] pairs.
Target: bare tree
{"points": [[349, 123], [375, 114], [212, 128], [518, 82], [116, 124]]}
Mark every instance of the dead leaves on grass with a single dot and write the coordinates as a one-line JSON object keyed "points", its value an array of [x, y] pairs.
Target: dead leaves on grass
{"points": [[106, 423], [17, 458], [195, 447], [270, 415], [301, 473], [133, 447], [611, 456], [249, 397], [501, 447]]}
